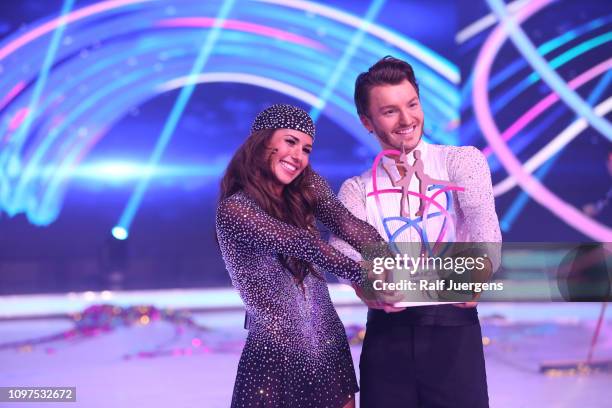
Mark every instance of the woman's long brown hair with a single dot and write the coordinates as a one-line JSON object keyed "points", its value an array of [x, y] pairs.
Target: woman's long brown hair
{"points": [[250, 171]]}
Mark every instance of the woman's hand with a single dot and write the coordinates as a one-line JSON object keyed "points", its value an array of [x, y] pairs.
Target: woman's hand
{"points": [[377, 299]]}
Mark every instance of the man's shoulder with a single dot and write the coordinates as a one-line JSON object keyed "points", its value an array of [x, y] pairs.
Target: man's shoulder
{"points": [[354, 186], [359, 179], [352, 183], [459, 156], [462, 160], [454, 150]]}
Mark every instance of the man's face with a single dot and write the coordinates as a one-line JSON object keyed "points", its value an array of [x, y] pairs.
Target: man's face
{"points": [[395, 116]]}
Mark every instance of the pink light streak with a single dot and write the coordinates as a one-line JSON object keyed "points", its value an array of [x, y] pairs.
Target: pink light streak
{"points": [[550, 100], [12, 94], [67, 19], [206, 22], [18, 119], [532, 186]]}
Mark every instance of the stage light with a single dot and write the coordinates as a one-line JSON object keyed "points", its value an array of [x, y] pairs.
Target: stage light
{"points": [[120, 233]]}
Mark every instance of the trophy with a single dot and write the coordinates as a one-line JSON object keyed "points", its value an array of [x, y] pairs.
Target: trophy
{"points": [[426, 233]]}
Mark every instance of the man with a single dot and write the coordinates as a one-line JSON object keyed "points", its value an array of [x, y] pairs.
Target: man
{"points": [[424, 356]]}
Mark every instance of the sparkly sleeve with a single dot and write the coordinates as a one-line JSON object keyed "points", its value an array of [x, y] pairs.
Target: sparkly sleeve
{"points": [[468, 168], [240, 219], [335, 216], [352, 196]]}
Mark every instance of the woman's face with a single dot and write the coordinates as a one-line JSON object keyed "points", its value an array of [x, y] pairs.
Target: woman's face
{"points": [[290, 151]]}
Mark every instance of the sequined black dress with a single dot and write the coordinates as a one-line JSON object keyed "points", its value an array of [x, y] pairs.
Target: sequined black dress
{"points": [[296, 353]]}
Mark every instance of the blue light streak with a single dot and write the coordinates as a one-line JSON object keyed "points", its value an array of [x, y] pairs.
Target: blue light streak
{"points": [[340, 69], [135, 200], [43, 76]]}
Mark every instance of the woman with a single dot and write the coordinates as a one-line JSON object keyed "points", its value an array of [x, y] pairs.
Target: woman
{"points": [[296, 353]]}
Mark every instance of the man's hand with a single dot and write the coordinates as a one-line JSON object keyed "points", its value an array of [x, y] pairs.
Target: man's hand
{"points": [[382, 300], [483, 275]]}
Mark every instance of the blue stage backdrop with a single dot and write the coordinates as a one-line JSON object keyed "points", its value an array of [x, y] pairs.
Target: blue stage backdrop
{"points": [[118, 117]]}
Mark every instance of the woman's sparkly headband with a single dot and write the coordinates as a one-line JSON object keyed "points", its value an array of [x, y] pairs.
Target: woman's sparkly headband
{"points": [[281, 116]]}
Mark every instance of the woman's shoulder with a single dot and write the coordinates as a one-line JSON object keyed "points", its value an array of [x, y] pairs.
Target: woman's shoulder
{"points": [[238, 196], [238, 203]]}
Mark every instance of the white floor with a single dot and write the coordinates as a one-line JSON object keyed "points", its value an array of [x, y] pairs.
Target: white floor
{"points": [[518, 338]]}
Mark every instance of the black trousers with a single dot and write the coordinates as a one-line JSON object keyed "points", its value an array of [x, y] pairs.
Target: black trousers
{"points": [[405, 363]]}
